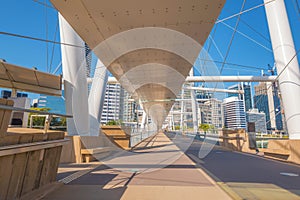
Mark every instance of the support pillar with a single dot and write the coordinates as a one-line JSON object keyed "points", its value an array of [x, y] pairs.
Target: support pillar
{"points": [[14, 93], [284, 51], [194, 105], [194, 111], [271, 105], [181, 110], [96, 97], [144, 118], [75, 81]]}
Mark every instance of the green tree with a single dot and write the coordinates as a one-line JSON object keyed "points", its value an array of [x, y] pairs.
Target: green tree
{"points": [[111, 123], [119, 122], [38, 121], [58, 121], [204, 127], [63, 121]]}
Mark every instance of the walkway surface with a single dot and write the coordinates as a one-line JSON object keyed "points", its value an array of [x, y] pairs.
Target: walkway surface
{"points": [[221, 175], [250, 176], [180, 180]]}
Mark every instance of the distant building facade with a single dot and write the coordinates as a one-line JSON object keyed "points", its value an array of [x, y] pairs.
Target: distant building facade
{"points": [[20, 118], [118, 105], [111, 107], [56, 104], [258, 119], [211, 113], [266, 100], [246, 97], [21, 101], [7, 94], [128, 107], [234, 113]]}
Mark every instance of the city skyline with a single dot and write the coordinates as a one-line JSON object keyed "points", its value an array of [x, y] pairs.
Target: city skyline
{"points": [[41, 22], [257, 45]]}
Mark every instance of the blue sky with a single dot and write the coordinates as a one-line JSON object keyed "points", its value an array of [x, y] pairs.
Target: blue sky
{"points": [[30, 18]]}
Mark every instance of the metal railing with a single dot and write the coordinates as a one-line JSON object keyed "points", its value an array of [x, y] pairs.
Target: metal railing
{"points": [[138, 135], [31, 125], [262, 139]]}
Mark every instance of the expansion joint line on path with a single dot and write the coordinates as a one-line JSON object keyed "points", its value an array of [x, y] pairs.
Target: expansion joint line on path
{"points": [[78, 174]]}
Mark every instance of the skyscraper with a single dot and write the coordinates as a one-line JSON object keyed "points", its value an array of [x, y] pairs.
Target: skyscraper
{"points": [[211, 113], [117, 105], [266, 99], [111, 106], [127, 107], [88, 60], [234, 113], [246, 97], [259, 120]]}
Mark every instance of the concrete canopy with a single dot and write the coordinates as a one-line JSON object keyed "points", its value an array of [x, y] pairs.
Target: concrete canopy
{"points": [[149, 46]]}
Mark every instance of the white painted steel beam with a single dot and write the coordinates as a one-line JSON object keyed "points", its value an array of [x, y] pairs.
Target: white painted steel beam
{"points": [[215, 79], [194, 111], [215, 90], [230, 79]]}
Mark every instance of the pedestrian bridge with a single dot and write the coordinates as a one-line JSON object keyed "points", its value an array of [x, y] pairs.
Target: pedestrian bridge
{"points": [[150, 47]]}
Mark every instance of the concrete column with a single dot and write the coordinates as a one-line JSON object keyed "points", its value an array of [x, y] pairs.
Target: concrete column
{"points": [[75, 81], [96, 97], [284, 51]]}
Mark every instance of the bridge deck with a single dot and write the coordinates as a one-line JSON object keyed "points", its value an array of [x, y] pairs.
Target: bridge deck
{"points": [[180, 180], [221, 175]]}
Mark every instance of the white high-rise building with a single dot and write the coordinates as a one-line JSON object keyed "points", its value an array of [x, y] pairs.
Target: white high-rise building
{"points": [[117, 105], [111, 106], [127, 107], [211, 113], [234, 113]]}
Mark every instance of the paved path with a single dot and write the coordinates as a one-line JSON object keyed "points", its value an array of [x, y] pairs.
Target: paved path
{"points": [[249, 176], [222, 175], [180, 180]]}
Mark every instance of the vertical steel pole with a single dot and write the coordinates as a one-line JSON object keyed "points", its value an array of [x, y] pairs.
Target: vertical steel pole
{"points": [[181, 109], [284, 51], [144, 118], [194, 111]]}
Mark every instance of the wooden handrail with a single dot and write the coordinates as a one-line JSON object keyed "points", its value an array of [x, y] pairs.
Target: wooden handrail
{"points": [[22, 148], [49, 115]]}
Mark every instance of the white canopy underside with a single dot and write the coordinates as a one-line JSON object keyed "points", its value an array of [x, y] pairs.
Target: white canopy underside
{"points": [[151, 63]]}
